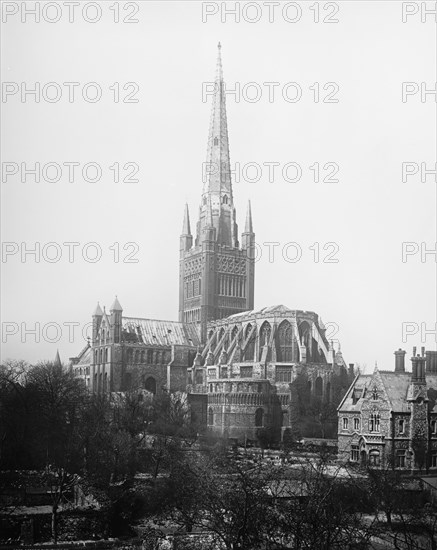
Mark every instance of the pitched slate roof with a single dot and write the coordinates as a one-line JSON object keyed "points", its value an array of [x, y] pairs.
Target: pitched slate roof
{"points": [[154, 332], [395, 384], [85, 356]]}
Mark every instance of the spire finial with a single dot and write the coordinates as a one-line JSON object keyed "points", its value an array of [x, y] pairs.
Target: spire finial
{"points": [[219, 72]]}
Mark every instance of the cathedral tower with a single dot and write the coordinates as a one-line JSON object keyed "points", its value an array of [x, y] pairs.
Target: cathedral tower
{"points": [[216, 275]]}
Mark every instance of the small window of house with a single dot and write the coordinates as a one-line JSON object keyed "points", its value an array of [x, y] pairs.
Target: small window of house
{"points": [[345, 423]]}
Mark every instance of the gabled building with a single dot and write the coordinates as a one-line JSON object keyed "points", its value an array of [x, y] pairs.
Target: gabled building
{"points": [[131, 353], [389, 418]]}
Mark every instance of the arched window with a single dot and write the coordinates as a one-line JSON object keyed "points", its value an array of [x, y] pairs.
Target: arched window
{"points": [[130, 354], [234, 333], [374, 457], [101, 355], [216, 141], [249, 352], [328, 392], [319, 387], [225, 199], [210, 417], [284, 347], [150, 385], [259, 418], [106, 355], [306, 338], [149, 356], [105, 386], [96, 357], [143, 356], [264, 337]]}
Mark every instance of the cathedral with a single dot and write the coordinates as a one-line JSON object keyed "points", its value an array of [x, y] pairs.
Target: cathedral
{"points": [[235, 363]]}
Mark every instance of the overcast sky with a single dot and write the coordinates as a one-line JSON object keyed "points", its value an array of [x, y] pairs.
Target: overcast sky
{"points": [[170, 55]]}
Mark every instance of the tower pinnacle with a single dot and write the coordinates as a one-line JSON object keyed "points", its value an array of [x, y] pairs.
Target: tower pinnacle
{"points": [[248, 227], [186, 229]]}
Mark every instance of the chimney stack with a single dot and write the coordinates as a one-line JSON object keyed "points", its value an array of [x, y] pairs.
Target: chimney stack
{"points": [[400, 360], [431, 362], [418, 363], [351, 370]]}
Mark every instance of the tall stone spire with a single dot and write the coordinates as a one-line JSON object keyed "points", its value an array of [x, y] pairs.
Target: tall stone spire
{"points": [[217, 173]]}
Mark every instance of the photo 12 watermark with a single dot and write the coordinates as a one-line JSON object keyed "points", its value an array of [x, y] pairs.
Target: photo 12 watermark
{"points": [[70, 252], [69, 92], [271, 92], [272, 12], [69, 172], [72, 12]]}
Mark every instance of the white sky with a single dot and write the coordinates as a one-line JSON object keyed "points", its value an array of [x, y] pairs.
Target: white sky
{"points": [[368, 294]]}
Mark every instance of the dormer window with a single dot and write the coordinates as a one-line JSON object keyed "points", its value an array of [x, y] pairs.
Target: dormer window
{"points": [[375, 393]]}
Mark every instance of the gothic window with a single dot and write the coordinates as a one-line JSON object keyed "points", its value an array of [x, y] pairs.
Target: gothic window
{"points": [[96, 357], [328, 392], [210, 417], [143, 356], [149, 356], [285, 341], [283, 374], [374, 422], [264, 337], [150, 385], [259, 417], [400, 458], [356, 424], [130, 353], [319, 387], [374, 458], [137, 356], [250, 347], [375, 393], [105, 386], [106, 355], [101, 355], [355, 453], [215, 141]]}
